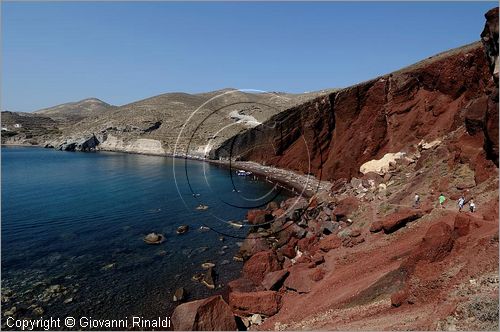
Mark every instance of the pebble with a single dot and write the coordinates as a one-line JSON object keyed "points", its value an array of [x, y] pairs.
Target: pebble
{"points": [[207, 265]]}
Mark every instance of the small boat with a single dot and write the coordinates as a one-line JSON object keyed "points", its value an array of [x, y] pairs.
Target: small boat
{"points": [[236, 224], [243, 173], [202, 207]]}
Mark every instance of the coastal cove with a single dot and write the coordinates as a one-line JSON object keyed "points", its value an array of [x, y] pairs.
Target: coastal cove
{"points": [[73, 227]]}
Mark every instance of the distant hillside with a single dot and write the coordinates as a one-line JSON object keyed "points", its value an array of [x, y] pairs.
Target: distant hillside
{"points": [[27, 128], [152, 125], [76, 111]]}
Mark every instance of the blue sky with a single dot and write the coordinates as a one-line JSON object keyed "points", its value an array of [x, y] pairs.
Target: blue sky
{"points": [[121, 52]]}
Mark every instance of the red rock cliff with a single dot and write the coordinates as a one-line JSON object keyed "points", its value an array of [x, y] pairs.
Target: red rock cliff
{"points": [[333, 135]]}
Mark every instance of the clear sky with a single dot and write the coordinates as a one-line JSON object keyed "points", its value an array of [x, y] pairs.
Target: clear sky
{"points": [[121, 52]]}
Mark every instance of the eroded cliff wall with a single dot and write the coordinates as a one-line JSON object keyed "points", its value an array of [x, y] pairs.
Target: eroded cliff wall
{"points": [[333, 135]]}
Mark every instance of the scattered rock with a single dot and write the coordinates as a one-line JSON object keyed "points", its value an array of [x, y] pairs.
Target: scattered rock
{"points": [[207, 265], [38, 311], [263, 302], [257, 217], [179, 294], [259, 265], [253, 244], [330, 242], [182, 229], [209, 278], [274, 280], [154, 238]]}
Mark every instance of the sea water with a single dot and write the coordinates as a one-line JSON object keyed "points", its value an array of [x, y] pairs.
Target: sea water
{"points": [[73, 226]]}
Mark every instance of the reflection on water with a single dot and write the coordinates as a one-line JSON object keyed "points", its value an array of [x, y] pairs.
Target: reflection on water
{"points": [[73, 227]]}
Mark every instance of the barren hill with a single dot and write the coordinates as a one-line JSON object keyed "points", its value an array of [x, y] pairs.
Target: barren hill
{"points": [[76, 111]]}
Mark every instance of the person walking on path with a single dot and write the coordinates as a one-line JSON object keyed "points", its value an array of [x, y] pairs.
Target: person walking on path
{"points": [[461, 202], [416, 203], [472, 206], [441, 200]]}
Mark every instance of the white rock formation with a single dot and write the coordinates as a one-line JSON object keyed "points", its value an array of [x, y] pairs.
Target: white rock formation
{"points": [[381, 166]]}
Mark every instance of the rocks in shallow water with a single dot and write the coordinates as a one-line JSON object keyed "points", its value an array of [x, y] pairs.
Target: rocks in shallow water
{"points": [[154, 238], [207, 265], [179, 294], [237, 258], [68, 300], [182, 229], [209, 278], [197, 277], [10, 312], [211, 314], [38, 311], [108, 266]]}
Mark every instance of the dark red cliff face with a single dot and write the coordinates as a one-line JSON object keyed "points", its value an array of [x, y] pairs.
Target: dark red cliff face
{"points": [[489, 37], [333, 135]]}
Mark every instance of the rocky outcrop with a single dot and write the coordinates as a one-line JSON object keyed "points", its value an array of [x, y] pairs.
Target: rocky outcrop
{"points": [[85, 144], [489, 37]]}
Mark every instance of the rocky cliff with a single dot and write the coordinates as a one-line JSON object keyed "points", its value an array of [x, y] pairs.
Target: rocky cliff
{"points": [[333, 135]]}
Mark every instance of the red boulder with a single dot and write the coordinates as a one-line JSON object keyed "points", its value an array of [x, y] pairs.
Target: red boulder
{"points": [[273, 280], [264, 302], [211, 314], [259, 265], [330, 242], [396, 220]]}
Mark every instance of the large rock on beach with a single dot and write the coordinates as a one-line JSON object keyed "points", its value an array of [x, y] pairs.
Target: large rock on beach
{"points": [[259, 265], [253, 244], [263, 302], [257, 217], [301, 278], [211, 314], [274, 280]]}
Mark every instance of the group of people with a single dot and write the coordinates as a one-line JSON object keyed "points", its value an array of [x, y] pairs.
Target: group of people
{"points": [[461, 202], [442, 199]]}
